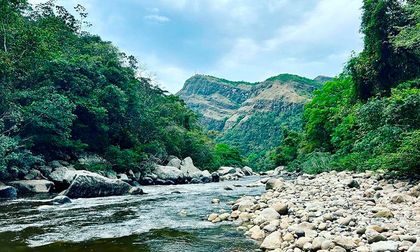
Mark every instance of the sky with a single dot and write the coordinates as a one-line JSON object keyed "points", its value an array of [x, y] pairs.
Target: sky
{"points": [[247, 40]]}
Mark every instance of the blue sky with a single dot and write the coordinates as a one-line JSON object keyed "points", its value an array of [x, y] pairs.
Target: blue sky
{"points": [[248, 40]]}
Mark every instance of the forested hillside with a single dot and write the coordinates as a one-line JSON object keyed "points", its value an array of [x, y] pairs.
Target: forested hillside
{"points": [[368, 117], [65, 93], [250, 116]]}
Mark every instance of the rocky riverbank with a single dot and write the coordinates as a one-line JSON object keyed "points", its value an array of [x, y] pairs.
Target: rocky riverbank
{"points": [[331, 212], [61, 177]]}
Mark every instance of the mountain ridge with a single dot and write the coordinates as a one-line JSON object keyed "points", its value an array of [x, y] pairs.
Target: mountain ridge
{"points": [[249, 115]]}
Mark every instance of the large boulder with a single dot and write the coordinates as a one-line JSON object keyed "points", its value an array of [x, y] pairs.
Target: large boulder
{"points": [[90, 185], [63, 176], [247, 171], [168, 173], [206, 176], [189, 170], [224, 170], [175, 162], [32, 186], [239, 173], [215, 177], [7, 192]]}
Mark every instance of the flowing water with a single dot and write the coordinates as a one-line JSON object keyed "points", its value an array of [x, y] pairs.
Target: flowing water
{"points": [[167, 218]]}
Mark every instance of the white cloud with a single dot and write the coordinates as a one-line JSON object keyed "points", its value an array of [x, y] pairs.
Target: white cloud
{"points": [[157, 18]]}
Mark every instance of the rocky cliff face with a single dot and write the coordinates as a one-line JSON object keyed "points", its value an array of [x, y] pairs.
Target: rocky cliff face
{"points": [[249, 115]]}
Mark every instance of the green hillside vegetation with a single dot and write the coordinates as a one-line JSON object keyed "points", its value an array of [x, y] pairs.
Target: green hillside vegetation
{"points": [[65, 92], [369, 117], [284, 78]]}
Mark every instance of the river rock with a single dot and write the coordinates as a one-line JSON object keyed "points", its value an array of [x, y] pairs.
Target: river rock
{"points": [[215, 177], [8, 192], [212, 217], [123, 177], [189, 170], [60, 200], [272, 241], [135, 190], [384, 246], [206, 177], [224, 170], [273, 184], [175, 162], [384, 213], [168, 173], [94, 185], [146, 181], [345, 242], [32, 186], [280, 207], [267, 214], [256, 233], [63, 176], [247, 171]]}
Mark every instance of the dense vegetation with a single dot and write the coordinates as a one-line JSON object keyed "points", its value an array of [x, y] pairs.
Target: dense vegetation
{"points": [[65, 93], [369, 116]]}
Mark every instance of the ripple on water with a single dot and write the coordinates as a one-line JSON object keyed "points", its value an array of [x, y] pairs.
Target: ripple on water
{"points": [[150, 222]]}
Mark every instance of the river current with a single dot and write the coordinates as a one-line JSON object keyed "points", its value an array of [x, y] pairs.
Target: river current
{"points": [[166, 219]]}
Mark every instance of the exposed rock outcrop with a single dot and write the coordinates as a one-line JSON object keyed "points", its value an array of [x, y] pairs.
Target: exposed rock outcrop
{"points": [[90, 185]]}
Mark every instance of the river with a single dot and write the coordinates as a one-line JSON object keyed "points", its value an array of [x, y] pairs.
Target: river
{"points": [[166, 219]]}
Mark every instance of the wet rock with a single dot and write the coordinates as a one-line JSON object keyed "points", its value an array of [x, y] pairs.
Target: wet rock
{"points": [[95, 185], [196, 181], [228, 188], [215, 177], [146, 181], [60, 200], [212, 217], [224, 216], [215, 201], [7, 192], [206, 177], [135, 190]]}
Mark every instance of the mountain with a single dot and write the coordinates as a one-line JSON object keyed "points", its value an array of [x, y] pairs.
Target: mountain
{"points": [[249, 115]]}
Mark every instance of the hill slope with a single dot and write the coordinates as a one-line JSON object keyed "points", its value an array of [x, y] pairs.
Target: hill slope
{"points": [[249, 115]]}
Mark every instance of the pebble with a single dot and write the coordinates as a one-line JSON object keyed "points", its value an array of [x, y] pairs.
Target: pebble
{"points": [[331, 211]]}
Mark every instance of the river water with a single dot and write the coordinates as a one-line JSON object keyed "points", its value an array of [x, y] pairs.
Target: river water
{"points": [[166, 219]]}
